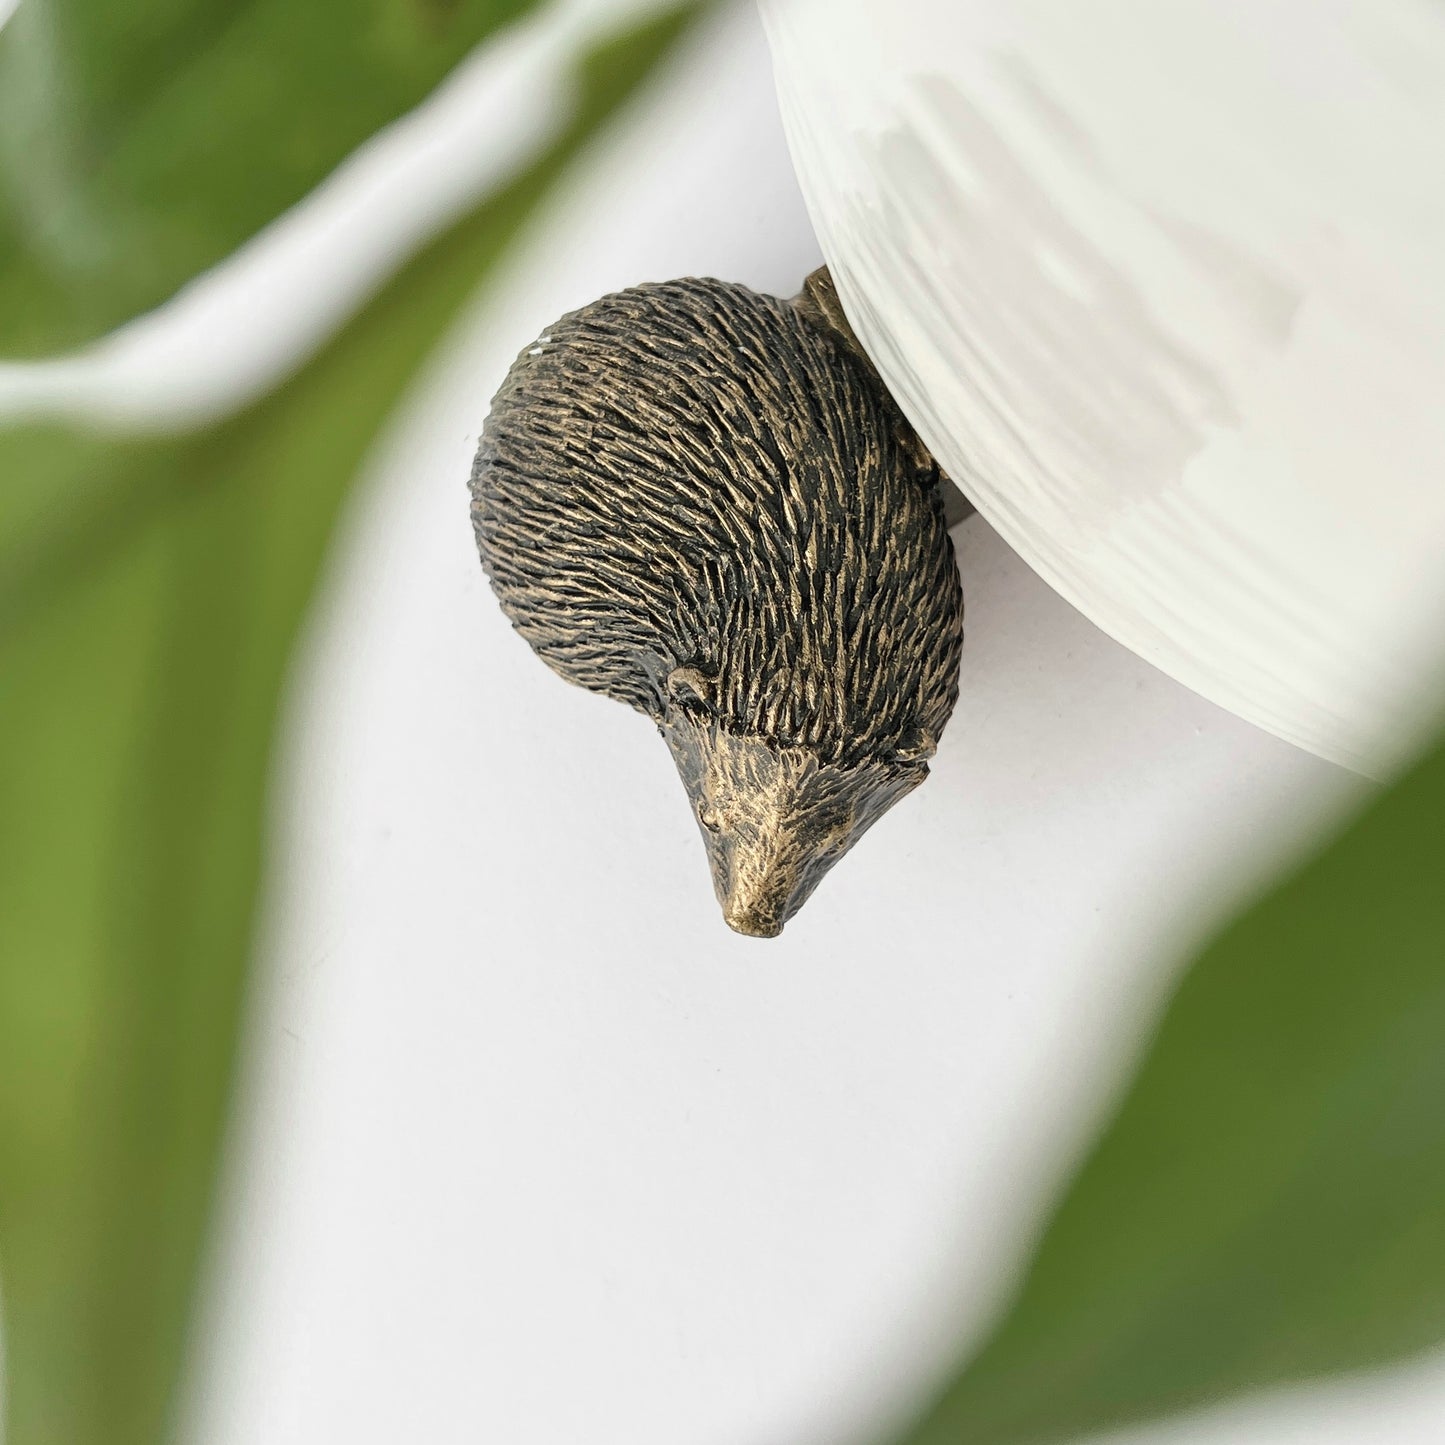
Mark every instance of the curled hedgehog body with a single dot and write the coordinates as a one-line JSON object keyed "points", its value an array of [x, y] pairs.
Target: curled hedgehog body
{"points": [[703, 502]]}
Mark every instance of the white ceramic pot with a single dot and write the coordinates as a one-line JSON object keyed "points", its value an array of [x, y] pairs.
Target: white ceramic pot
{"points": [[1162, 284]]}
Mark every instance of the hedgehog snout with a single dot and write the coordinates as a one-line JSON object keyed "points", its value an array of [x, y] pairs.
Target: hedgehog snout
{"points": [[763, 874], [754, 913], [774, 818]]}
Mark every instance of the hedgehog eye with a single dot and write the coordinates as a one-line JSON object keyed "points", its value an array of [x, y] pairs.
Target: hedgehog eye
{"points": [[921, 747], [689, 687]]}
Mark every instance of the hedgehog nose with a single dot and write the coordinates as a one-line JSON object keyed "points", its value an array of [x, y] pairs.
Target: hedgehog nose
{"points": [[754, 922], [756, 902]]}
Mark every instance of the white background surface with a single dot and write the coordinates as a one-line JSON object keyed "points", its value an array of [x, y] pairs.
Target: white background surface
{"points": [[533, 1150]]}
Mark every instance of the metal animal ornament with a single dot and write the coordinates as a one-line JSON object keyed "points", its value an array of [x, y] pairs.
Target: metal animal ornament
{"points": [[703, 502]]}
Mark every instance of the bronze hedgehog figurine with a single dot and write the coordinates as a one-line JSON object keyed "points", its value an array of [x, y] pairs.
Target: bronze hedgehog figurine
{"points": [[703, 502]]}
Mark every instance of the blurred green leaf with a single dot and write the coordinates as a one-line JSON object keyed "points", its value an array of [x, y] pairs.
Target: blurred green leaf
{"points": [[1268, 1204], [141, 141], [145, 630]]}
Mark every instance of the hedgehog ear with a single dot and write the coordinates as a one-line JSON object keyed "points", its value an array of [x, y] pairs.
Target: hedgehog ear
{"points": [[919, 749], [688, 687]]}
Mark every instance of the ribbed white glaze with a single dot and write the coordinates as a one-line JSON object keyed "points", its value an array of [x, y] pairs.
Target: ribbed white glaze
{"points": [[1163, 287]]}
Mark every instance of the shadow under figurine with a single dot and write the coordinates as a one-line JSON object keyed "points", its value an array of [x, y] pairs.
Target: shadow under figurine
{"points": [[703, 502]]}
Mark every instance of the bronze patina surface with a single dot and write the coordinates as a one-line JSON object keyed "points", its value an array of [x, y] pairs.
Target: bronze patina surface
{"points": [[703, 502]]}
